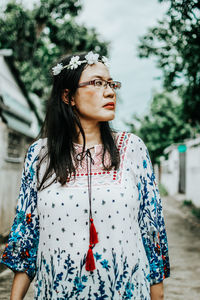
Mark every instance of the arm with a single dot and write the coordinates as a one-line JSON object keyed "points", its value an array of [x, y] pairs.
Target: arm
{"points": [[151, 221], [157, 291], [21, 283], [20, 254]]}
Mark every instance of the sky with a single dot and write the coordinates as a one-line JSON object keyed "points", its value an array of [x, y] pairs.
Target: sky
{"points": [[122, 23]]}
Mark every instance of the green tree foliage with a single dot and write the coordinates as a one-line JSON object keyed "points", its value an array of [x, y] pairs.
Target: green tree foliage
{"points": [[175, 42], [162, 126], [39, 36]]}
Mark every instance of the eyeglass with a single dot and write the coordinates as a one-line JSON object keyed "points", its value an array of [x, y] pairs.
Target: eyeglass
{"points": [[102, 83]]}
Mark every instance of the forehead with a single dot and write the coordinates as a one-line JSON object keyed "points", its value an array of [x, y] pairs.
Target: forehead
{"points": [[98, 69]]}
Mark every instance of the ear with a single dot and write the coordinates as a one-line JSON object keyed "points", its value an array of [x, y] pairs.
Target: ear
{"points": [[65, 97]]}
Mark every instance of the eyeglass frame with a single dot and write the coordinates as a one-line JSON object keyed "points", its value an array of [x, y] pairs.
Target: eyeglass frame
{"points": [[107, 82]]}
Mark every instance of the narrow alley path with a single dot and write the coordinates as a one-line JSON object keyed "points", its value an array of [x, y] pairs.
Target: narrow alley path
{"points": [[184, 250]]}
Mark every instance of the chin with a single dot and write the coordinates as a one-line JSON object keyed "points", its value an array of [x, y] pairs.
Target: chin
{"points": [[112, 118], [108, 118]]}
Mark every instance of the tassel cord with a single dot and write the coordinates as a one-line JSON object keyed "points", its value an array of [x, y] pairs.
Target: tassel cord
{"points": [[93, 237], [89, 162]]}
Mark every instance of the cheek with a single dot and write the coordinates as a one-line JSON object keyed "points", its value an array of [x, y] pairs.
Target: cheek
{"points": [[86, 106], [88, 109], [89, 101], [90, 105]]}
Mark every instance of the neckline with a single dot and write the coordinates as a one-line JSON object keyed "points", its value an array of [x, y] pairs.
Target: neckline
{"points": [[117, 134], [97, 149], [81, 146]]}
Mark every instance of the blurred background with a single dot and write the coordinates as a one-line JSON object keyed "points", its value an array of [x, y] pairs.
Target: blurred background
{"points": [[154, 50]]}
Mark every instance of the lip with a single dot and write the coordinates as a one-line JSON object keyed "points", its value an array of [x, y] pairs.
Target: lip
{"points": [[109, 105]]}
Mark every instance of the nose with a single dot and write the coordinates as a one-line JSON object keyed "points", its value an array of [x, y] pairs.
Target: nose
{"points": [[109, 92]]}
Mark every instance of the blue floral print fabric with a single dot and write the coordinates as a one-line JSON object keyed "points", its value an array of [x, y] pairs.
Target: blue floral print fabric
{"points": [[21, 251], [50, 234], [151, 222]]}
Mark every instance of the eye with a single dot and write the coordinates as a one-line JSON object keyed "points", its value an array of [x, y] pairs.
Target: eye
{"points": [[116, 85], [112, 84], [98, 82]]}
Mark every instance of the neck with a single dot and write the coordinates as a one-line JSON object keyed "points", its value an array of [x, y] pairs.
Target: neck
{"points": [[92, 134]]}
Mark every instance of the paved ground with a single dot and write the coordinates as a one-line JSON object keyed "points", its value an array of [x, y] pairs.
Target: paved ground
{"points": [[184, 246]]}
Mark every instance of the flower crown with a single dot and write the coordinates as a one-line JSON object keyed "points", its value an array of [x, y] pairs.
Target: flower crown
{"points": [[91, 58]]}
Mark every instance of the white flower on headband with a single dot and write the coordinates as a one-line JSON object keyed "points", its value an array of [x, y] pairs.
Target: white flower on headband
{"points": [[74, 62], [105, 61], [57, 69], [92, 58]]}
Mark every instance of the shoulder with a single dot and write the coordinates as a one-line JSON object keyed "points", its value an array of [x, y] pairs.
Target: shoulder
{"points": [[132, 139], [139, 152], [34, 150], [36, 147], [137, 142], [136, 149]]}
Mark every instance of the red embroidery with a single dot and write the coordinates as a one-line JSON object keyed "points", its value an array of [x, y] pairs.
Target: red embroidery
{"points": [[104, 176]]}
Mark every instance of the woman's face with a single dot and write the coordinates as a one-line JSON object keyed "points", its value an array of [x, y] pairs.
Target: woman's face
{"points": [[90, 100]]}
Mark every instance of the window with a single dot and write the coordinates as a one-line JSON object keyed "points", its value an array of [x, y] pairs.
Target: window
{"points": [[14, 147]]}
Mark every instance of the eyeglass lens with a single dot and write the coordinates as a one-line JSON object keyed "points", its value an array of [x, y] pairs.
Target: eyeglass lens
{"points": [[105, 83]]}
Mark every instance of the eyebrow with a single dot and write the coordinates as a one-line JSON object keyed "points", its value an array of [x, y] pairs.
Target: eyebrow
{"points": [[98, 76]]}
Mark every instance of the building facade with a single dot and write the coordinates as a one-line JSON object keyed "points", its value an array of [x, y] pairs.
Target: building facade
{"points": [[19, 126], [180, 173]]}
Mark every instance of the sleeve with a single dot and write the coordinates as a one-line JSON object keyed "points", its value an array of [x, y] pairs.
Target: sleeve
{"points": [[151, 220], [20, 253]]}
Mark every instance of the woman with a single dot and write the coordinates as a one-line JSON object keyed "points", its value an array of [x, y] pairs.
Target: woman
{"points": [[89, 221]]}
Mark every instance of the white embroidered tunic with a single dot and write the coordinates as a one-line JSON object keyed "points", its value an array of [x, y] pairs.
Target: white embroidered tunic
{"points": [[50, 234]]}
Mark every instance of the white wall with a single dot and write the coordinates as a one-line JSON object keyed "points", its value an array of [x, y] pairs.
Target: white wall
{"points": [[170, 172], [193, 175]]}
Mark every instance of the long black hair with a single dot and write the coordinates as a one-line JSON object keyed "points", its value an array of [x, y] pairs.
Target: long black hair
{"points": [[60, 129]]}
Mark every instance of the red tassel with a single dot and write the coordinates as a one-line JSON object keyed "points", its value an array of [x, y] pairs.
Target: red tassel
{"points": [[90, 263], [93, 233]]}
